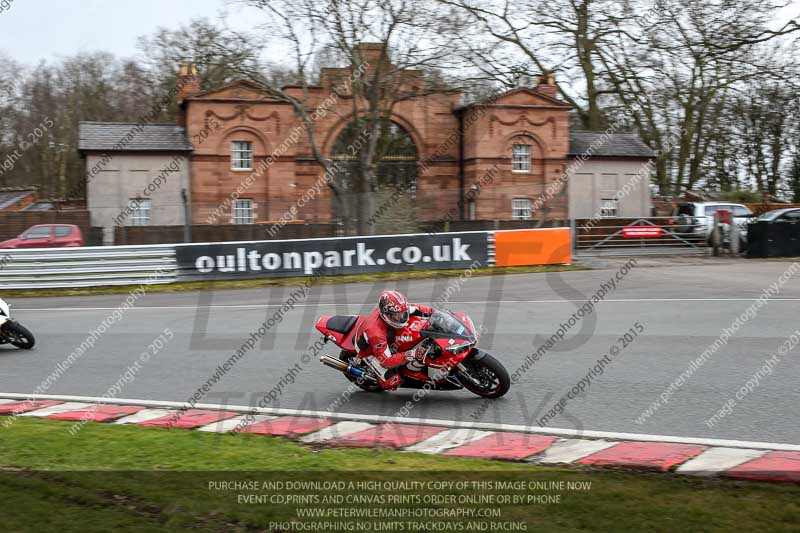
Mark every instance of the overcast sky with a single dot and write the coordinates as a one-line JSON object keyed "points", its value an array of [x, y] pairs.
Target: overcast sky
{"points": [[35, 30]]}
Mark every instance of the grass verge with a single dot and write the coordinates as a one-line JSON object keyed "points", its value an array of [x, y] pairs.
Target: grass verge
{"points": [[127, 478], [276, 282]]}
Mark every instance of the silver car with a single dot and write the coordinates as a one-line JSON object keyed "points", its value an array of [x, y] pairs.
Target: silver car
{"points": [[698, 217]]}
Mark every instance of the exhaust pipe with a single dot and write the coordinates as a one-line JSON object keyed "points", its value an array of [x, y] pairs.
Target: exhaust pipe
{"points": [[344, 367], [332, 362]]}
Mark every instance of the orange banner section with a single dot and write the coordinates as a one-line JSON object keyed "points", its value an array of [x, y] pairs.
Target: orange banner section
{"points": [[549, 246]]}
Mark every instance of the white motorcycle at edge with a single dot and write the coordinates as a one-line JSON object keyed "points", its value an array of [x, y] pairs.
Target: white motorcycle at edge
{"points": [[12, 332]]}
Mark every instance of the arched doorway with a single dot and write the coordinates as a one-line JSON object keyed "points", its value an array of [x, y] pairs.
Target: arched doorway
{"points": [[385, 196]]}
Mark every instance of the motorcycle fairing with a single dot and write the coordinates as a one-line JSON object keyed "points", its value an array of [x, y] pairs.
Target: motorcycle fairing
{"points": [[5, 312], [340, 329]]}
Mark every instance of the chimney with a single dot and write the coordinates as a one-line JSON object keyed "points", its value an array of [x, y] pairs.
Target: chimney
{"points": [[547, 85], [370, 53], [186, 85], [188, 82]]}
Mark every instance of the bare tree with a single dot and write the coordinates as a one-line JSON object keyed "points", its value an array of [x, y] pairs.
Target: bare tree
{"points": [[531, 37], [11, 81], [97, 87], [681, 71], [793, 175], [675, 67], [219, 54], [386, 47], [712, 84]]}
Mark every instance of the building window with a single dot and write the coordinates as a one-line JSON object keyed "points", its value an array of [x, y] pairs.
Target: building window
{"points": [[521, 158], [242, 155], [521, 209], [472, 210], [608, 206], [243, 211], [339, 229], [140, 214]]}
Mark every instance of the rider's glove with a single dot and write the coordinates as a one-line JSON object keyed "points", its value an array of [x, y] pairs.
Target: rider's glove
{"points": [[410, 355], [416, 311], [420, 351], [416, 354]]}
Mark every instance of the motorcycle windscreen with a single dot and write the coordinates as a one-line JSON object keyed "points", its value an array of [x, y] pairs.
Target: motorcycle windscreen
{"points": [[442, 325]]}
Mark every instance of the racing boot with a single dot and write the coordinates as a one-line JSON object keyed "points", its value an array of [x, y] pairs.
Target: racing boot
{"points": [[388, 378]]}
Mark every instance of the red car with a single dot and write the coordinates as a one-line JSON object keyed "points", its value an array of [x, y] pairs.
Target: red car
{"points": [[47, 236]]}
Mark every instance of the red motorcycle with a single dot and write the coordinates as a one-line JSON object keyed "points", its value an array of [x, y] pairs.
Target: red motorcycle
{"points": [[450, 361]]}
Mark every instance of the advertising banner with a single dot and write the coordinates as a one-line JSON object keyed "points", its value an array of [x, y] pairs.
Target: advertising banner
{"points": [[642, 232], [333, 256], [548, 246]]}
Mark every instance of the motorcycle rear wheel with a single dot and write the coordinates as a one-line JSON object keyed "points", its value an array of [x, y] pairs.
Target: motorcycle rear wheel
{"points": [[492, 375], [350, 358], [18, 335]]}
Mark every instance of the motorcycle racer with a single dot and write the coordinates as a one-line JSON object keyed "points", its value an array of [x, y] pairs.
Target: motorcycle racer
{"points": [[375, 337]]}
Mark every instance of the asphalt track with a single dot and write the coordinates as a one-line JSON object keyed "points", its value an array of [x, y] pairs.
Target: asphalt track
{"points": [[683, 309]]}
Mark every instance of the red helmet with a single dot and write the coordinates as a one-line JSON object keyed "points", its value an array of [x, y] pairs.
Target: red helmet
{"points": [[393, 308]]}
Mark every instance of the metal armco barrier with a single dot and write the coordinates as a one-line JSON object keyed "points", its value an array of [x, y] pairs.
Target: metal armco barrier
{"points": [[773, 239], [135, 265], [87, 267]]}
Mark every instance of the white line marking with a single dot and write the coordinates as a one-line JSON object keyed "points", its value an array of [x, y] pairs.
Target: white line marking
{"points": [[452, 438], [570, 450], [716, 460], [55, 409], [144, 415], [3, 402], [377, 419], [229, 424], [333, 304], [336, 431]]}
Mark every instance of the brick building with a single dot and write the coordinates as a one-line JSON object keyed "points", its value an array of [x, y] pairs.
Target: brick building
{"points": [[241, 124], [251, 159]]}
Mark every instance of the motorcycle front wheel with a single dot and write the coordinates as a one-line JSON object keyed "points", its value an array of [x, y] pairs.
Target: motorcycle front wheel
{"points": [[18, 335], [487, 377]]}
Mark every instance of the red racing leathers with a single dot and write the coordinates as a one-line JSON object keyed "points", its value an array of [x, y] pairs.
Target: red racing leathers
{"points": [[375, 338]]}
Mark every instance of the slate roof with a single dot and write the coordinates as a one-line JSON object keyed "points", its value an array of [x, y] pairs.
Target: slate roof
{"points": [[529, 90], [617, 145], [122, 136], [129, 137], [9, 198], [40, 206]]}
